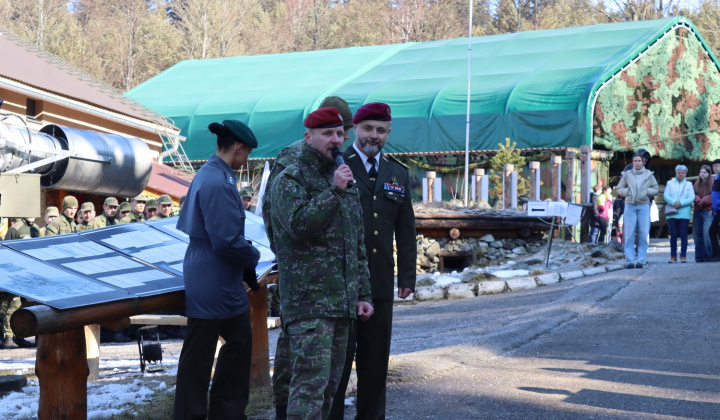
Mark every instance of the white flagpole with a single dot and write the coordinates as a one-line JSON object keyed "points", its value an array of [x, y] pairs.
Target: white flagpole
{"points": [[467, 119]]}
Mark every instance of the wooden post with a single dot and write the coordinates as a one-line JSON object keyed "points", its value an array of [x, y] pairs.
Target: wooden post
{"points": [[479, 174], [507, 185], [431, 185], [555, 176], [535, 180], [260, 364], [92, 348], [570, 174], [62, 370]]}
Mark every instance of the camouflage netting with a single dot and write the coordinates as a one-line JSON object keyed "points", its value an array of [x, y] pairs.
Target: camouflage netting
{"points": [[667, 102]]}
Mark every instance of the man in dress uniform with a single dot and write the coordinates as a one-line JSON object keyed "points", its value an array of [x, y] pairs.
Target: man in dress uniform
{"points": [[65, 223], [51, 213], [288, 156], [151, 208], [384, 187], [107, 218], [87, 213], [323, 273], [164, 207], [123, 213], [22, 229], [138, 208]]}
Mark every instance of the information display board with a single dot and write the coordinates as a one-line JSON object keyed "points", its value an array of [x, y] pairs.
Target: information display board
{"points": [[24, 276], [140, 241], [254, 232], [90, 259]]}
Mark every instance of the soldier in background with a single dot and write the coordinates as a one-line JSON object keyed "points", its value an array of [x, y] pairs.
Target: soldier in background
{"points": [[65, 223], [246, 194], [22, 229], [87, 213], [51, 213], [318, 219], [138, 208], [165, 207], [123, 213], [151, 208], [107, 218]]}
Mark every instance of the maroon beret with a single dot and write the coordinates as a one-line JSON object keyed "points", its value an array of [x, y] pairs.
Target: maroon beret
{"points": [[327, 117], [376, 111]]}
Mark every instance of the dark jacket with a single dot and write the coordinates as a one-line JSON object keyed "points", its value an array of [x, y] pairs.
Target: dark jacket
{"points": [[387, 212], [218, 253]]}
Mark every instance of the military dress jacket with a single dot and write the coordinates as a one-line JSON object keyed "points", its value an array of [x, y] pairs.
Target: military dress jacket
{"points": [[102, 221], [387, 212], [60, 226], [22, 229], [318, 233], [214, 218]]}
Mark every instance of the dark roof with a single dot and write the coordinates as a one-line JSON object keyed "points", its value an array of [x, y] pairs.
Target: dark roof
{"points": [[168, 180], [24, 63]]}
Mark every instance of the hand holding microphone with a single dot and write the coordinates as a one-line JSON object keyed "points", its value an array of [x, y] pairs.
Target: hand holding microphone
{"points": [[343, 174]]}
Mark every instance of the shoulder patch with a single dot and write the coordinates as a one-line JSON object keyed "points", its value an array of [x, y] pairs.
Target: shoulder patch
{"points": [[398, 161]]}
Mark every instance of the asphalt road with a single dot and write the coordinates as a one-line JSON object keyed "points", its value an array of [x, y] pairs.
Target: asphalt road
{"points": [[629, 344]]}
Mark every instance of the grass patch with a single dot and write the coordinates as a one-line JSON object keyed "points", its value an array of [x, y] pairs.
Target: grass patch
{"points": [[161, 406]]}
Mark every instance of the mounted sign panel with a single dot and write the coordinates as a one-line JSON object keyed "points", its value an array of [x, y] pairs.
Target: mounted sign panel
{"points": [[90, 259], [20, 195], [40, 282], [138, 240], [254, 231], [537, 208]]}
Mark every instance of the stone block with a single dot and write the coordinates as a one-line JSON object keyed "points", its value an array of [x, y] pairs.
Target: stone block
{"points": [[433, 250], [488, 238], [430, 293], [10, 383], [569, 275], [521, 283], [591, 271], [614, 267], [549, 278], [461, 290], [491, 287]]}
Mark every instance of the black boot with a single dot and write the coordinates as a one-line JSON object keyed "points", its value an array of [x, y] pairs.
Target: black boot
{"points": [[23, 343]]}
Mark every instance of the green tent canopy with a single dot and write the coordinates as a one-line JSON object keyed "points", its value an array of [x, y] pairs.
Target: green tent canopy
{"points": [[537, 88]]}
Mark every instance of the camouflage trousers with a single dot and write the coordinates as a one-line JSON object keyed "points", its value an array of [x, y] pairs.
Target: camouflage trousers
{"points": [[317, 349], [8, 305], [282, 370]]}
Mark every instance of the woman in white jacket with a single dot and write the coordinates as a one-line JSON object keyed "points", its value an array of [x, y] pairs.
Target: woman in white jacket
{"points": [[680, 195], [638, 186]]}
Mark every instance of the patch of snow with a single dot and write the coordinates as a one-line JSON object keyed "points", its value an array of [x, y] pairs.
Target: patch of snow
{"points": [[506, 274]]}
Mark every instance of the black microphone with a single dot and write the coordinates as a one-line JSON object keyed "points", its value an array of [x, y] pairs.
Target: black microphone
{"points": [[337, 155]]}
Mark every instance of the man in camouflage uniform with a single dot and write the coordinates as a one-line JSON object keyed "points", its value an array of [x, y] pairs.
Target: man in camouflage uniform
{"points": [[165, 207], [22, 229], [138, 208], [87, 213], [123, 213], [288, 156], [246, 194], [107, 218], [65, 223], [151, 208], [51, 213], [323, 271]]}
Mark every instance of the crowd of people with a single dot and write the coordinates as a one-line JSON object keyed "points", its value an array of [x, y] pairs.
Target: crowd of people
{"points": [[630, 212], [75, 219]]}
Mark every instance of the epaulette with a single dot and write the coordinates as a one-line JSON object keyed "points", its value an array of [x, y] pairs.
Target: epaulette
{"points": [[398, 161]]}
